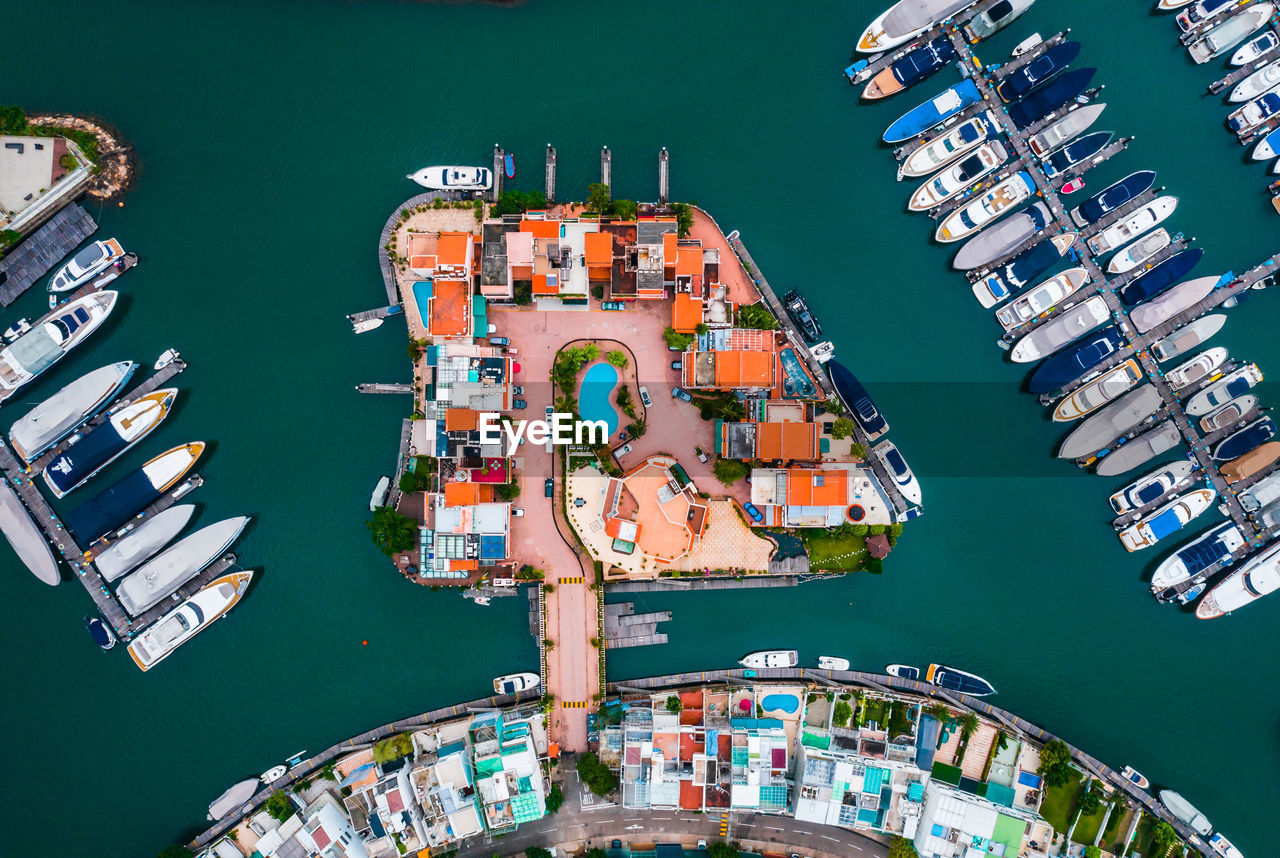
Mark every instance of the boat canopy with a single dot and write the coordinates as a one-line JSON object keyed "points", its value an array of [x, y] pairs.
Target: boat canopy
{"points": [[36, 350]]}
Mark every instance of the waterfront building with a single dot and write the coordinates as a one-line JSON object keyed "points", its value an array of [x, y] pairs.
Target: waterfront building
{"points": [[322, 829], [760, 765], [38, 176], [437, 295], [508, 775], [445, 789], [959, 823], [775, 431], [823, 496]]}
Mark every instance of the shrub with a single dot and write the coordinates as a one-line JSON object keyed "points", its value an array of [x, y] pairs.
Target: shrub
{"points": [[514, 202], [674, 705], [756, 316], [1055, 763], [598, 197], [391, 531], [392, 748], [842, 428], [729, 471], [618, 358], [597, 292], [12, 119], [842, 713], [676, 340], [596, 775], [280, 807], [901, 847], [555, 798], [509, 491]]}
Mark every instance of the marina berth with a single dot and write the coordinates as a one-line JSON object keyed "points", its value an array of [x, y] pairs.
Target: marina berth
{"points": [[1160, 277], [954, 679], [55, 418], [1251, 463], [1099, 392], [178, 564], [996, 17], [1133, 225], [1221, 845], [1075, 361], [1244, 120], [1262, 495], [49, 341], [798, 309], [1263, 80], [25, 538], [1135, 777], [131, 493], [1139, 251], [1185, 812], [857, 401], [1254, 578], [936, 110], [1048, 97], [1268, 147], [1254, 48], [1140, 450], [1231, 385], [908, 486], [141, 543], [1151, 487], [1167, 520], [514, 683], [82, 267], [1000, 240], [1195, 369], [1060, 131], [1213, 547], [1060, 330], [1022, 270], [992, 205], [1227, 414], [1230, 32], [905, 20], [1112, 197], [1076, 152], [1186, 338], [1051, 62], [1041, 299], [1243, 440], [207, 606], [1111, 421], [1205, 10], [453, 178], [941, 151], [913, 68], [125, 427], [958, 177], [770, 658], [1156, 311]]}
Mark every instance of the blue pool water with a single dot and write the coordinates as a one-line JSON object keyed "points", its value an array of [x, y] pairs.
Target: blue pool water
{"points": [[780, 703], [594, 397], [796, 385]]}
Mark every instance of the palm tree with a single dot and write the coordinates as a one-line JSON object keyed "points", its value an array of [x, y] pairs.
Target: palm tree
{"points": [[940, 712], [968, 726]]}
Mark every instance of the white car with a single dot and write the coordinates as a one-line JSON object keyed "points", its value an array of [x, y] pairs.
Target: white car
{"points": [[622, 451], [517, 512], [644, 397]]}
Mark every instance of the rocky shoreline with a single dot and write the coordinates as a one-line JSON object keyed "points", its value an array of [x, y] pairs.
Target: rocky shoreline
{"points": [[116, 166]]}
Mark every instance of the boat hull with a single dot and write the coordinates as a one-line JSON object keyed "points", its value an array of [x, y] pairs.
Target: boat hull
{"points": [[132, 493], [56, 417]]}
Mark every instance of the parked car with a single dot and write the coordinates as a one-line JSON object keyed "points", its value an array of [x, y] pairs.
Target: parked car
{"points": [[622, 451], [517, 512], [613, 305], [677, 365], [681, 394], [499, 341], [519, 404], [702, 457], [644, 397], [549, 487], [517, 390], [493, 329], [753, 512]]}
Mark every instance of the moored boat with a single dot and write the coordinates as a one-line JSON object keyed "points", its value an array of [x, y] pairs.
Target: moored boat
{"points": [[87, 263], [1195, 369], [49, 341], [1231, 385], [125, 427], [996, 17], [955, 679], [1243, 440], [1170, 5], [1060, 330], [1230, 33], [55, 418], [1133, 225], [514, 683], [205, 607], [1188, 336], [1185, 811], [1251, 463], [1263, 80], [1042, 298], [1214, 546], [1134, 777], [798, 309], [453, 178], [856, 399], [959, 177], [997, 241], [24, 536], [770, 658], [100, 632], [1023, 80], [1167, 520], [1254, 578], [176, 565], [1099, 392], [956, 143], [1112, 421], [1160, 277], [1049, 96], [1254, 48], [1023, 270], [992, 205], [1151, 487], [1229, 413], [131, 493], [273, 774], [1067, 128], [1139, 251], [1204, 10], [380, 490], [1075, 152], [1074, 362], [917, 65], [832, 662], [1140, 450], [1268, 147], [1244, 120], [903, 671], [1221, 845], [142, 542], [1112, 197], [1155, 312], [938, 109], [905, 20], [903, 478]]}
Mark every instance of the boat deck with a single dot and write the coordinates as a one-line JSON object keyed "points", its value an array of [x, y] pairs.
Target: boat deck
{"points": [[961, 18]]}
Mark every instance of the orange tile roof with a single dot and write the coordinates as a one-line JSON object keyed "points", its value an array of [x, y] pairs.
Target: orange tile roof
{"points": [[542, 287], [451, 308], [686, 313], [787, 441], [541, 228], [461, 494], [803, 488], [599, 248], [744, 369], [669, 241], [452, 247], [423, 262], [688, 261], [461, 419], [690, 795]]}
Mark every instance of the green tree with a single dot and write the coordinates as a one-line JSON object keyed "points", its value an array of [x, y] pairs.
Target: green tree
{"points": [[411, 481], [598, 197], [684, 218], [516, 202], [12, 119], [1164, 837], [177, 850], [676, 340], [555, 798], [968, 726], [756, 316], [624, 209], [595, 774], [537, 852], [509, 491], [1092, 852], [1090, 803], [674, 705], [841, 714], [1055, 763], [280, 807], [618, 358], [901, 847], [720, 849], [940, 712], [596, 852], [842, 428], [729, 471], [392, 748], [391, 531]]}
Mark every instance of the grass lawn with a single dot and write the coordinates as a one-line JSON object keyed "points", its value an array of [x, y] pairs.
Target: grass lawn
{"points": [[1060, 802], [1117, 825], [829, 552], [1087, 827], [899, 723], [875, 710]]}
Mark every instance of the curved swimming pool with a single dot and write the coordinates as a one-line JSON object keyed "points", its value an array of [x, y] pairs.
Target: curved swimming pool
{"points": [[594, 395]]}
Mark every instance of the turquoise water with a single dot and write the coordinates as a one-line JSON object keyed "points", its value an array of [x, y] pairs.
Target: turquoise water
{"points": [[780, 703], [595, 395], [274, 140]]}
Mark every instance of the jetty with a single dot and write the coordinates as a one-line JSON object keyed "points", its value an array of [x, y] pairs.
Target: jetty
{"points": [[370, 319], [625, 628], [384, 388], [36, 255]]}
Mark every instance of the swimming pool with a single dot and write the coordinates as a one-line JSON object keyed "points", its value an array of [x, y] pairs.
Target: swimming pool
{"points": [[780, 703], [796, 384], [594, 395]]}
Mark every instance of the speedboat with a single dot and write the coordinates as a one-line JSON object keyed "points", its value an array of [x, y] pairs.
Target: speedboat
{"points": [[998, 241], [52, 420], [1140, 450], [770, 658], [379, 496], [1243, 440], [1168, 519], [125, 427], [1254, 48], [208, 605], [1139, 251], [1230, 33], [1225, 415], [1256, 577], [454, 178], [16, 330], [1156, 311], [1220, 844], [996, 17], [936, 110], [138, 544], [1160, 277], [1268, 147], [130, 494], [903, 478], [1216, 545], [798, 309], [1048, 97], [1251, 463], [1188, 336], [958, 680], [509, 165], [514, 683], [956, 143], [167, 357], [89, 262], [856, 399], [1060, 330], [959, 177], [1263, 80], [100, 632], [1062, 130], [992, 205], [1076, 361], [1196, 369], [1113, 197], [50, 340], [1185, 812], [1019, 83], [1205, 10], [1134, 777], [1076, 152], [1170, 5], [273, 774], [903, 671], [1151, 487], [1041, 299], [911, 69], [1022, 270], [1262, 496], [1244, 120], [1135, 224], [1112, 421], [178, 564], [905, 20], [832, 662], [1231, 385], [1098, 392]]}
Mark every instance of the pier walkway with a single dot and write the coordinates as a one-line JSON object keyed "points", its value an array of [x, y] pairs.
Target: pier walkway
{"points": [[36, 255], [384, 388]]}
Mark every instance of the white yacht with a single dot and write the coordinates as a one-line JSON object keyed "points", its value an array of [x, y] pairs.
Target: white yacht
{"points": [[126, 426], [1256, 577], [832, 662], [1154, 312], [1168, 519], [178, 564], [1151, 487], [905, 481], [1195, 369], [904, 20], [1060, 330], [956, 143], [1230, 32], [1064, 130], [454, 178], [959, 177], [1139, 251], [992, 205], [514, 683], [52, 420], [1255, 48], [187, 620], [50, 340], [1221, 845], [1097, 393], [1125, 231], [82, 267], [1214, 546], [138, 544], [1185, 811], [1228, 387], [1224, 415], [26, 539], [1042, 298], [771, 658], [1263, 80], [1188, 336]]}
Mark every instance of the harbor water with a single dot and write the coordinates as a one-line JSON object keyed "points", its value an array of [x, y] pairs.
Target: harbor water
{"points": [[273, 140]]}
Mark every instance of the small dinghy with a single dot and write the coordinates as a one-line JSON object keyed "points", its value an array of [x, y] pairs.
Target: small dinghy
{"points": [[16, 330], [509, 165], [1074, 185], [100, 632], [169, 356]]}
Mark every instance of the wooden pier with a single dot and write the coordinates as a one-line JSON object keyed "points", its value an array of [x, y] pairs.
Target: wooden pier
{"points": [[384, 388], [402, 461], [606, 169], [664, 176], [1006, 69], [499, 173], [36, 254], [551, 173], [625, 628]]}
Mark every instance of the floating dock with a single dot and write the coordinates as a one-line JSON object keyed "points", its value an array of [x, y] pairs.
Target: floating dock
{"points": [[625, 628], [36, 254]]}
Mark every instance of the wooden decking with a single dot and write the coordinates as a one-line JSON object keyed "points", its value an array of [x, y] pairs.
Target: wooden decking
{"points": [[36, 255]]}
